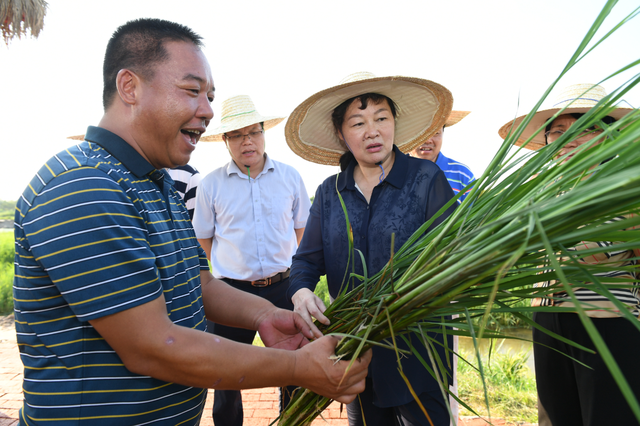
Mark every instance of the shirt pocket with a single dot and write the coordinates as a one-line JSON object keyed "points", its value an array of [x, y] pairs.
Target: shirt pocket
{"points": [[281, 214]]}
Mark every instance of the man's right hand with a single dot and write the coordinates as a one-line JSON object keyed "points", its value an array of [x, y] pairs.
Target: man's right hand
{"points": [[317, 369], [308, 305]]}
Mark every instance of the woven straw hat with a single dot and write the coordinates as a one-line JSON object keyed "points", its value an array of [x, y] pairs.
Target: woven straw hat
{"points": [[423, 107], [580, 98], [238, 112], [455, 117]]}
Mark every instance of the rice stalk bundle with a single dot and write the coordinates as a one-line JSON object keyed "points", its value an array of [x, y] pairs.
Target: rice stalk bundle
{"points": [[513, 230]]}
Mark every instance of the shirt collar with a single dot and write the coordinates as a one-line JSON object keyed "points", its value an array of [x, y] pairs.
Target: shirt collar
{"points": [[232, 168], [396, 177], [121, 150]]}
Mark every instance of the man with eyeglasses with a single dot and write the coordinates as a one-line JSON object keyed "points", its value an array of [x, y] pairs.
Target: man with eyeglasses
{"points": [[249, 218]]}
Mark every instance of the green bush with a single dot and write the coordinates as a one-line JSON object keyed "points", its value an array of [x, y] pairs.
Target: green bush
{"points": [[6, 272], [7, 209], [322, 291], [499, 320], [511, 387]]}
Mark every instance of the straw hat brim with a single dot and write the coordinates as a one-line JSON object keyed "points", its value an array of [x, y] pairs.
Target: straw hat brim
{"points": [[422, 109], [538, 121], [249, 120], [455, 117]]}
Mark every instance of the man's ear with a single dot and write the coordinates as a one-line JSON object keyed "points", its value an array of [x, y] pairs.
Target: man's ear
{"points": [[127, 82]]}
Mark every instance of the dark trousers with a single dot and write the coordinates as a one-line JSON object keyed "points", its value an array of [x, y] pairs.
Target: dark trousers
{"points": [[409, 414], [227, 404], [573, 394]]}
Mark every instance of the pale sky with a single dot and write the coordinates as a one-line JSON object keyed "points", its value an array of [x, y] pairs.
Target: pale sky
{"points": [[496, 57]]}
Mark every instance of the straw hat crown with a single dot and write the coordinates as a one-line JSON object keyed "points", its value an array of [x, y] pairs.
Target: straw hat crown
{"points": [[577, 98], [357, 76], [580, 96], [422, 109], [239, 112]]}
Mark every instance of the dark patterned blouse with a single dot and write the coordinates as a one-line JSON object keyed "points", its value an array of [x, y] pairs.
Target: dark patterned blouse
{"points": [[413, 191]]}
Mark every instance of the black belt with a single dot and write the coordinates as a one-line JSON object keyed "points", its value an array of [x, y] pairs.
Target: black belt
{"points": [[265, 281]]}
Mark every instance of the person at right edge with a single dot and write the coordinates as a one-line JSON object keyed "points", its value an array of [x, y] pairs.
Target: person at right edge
{"points": [[364, 124], [574, 386]]}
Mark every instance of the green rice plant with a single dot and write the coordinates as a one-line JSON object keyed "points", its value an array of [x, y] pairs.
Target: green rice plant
{"points": [[520, 215]]}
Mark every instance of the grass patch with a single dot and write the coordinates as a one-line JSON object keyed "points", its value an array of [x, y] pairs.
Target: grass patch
{"points": [[7, 209], [6, 272], [511, 387]]}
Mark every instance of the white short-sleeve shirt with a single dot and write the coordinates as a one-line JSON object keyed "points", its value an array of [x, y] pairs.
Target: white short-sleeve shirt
{"points": [[252, 222]]}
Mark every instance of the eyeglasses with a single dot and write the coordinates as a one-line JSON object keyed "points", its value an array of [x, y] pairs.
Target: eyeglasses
{"points": [[553, 135], [240, 138]]}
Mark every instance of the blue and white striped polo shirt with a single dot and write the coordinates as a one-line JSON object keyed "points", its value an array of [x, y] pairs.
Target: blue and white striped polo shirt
{"points": [[457, 174], [98, 232]]}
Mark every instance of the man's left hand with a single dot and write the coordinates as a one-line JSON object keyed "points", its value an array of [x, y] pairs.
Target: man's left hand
{"points": [[283, 329]]}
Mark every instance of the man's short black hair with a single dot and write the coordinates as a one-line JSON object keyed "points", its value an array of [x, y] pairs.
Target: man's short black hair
{"points": [[139, 46]]}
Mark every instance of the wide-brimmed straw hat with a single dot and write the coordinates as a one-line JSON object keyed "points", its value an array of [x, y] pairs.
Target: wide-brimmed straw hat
{"points": [[239, 112], [578, 98], [455, 117], [422, 109]]}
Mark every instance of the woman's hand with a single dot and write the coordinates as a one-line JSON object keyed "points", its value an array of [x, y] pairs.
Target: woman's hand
{"points": [[308, 305]]}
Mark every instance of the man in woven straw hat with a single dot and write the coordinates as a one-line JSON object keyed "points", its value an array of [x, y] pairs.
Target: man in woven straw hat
{"points": [[574, 386], [365, 124], [458, 174], [250, 216], [111, 285]]}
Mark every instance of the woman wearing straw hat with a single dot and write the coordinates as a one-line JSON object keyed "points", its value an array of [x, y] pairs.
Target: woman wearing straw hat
{"points": [[458, 174], [575, 386], [364, 124], [250, 215]]}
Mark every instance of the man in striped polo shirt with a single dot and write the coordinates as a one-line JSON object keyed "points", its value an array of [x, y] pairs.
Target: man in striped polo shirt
{"points": [[186, 180], [458, 174], [111, 286]]}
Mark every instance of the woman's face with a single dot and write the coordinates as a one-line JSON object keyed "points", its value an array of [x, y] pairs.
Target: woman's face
{"points": [[369, 132], [561, 125]]}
